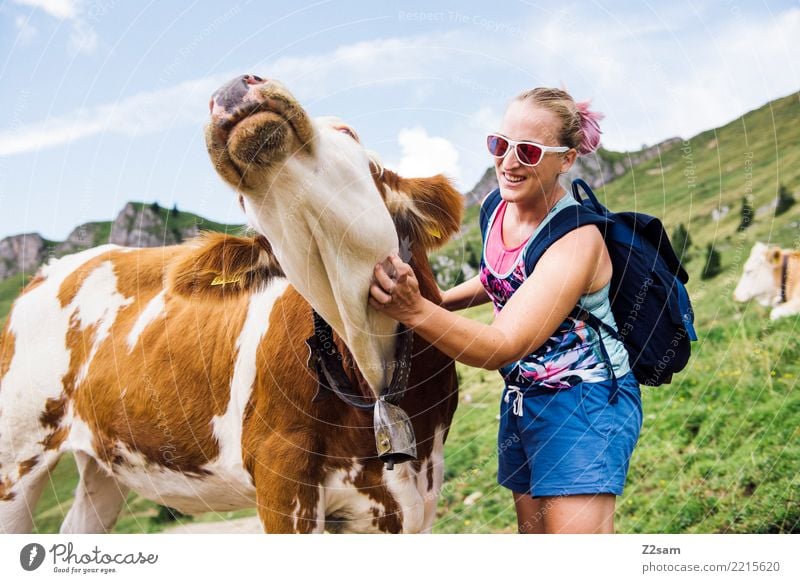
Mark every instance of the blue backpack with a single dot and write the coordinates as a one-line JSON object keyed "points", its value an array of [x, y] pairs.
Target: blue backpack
{"points": [[648, 296]]}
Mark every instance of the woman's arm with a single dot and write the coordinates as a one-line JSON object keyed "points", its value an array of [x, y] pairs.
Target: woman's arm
{"points": [[465, 295], [528, 319]]}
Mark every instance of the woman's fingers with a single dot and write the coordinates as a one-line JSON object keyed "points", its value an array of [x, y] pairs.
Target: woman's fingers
{"points": [[383, 279], [403, 270], [379, 295]]}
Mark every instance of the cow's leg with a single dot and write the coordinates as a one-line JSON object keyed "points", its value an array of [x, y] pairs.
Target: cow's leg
{"points": [[18, 500], [790, 308], [289, 494], [98, 499], [433, 470], [431, 496]]}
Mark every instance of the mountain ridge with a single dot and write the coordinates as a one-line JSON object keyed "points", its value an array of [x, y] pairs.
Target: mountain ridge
{"points": [[138, 224]]}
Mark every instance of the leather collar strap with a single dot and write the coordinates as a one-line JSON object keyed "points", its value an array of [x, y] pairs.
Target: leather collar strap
{"points": [[326, 361], [784, 275]]}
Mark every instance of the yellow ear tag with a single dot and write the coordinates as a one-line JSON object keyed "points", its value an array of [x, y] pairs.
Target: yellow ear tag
{"points": [[220, 280], [433, 231]]}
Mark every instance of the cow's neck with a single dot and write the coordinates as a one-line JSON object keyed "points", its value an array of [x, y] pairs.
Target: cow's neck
{"points": [[330, 259]]}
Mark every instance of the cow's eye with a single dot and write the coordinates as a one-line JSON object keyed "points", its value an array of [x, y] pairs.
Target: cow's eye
{"points": [[348, 131]]}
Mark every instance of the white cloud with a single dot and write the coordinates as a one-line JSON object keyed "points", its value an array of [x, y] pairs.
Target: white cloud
{"points": [[62, 9], [140, 114], [747, 62], [424, 155], [26, 32], [397, 61], [82, 38]]}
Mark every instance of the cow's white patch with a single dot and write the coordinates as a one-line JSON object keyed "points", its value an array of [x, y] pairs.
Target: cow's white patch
{"points": [[155, 309], [59, 269], [321, 505], [343, 501], [219, 491], [97, 303], [319, 512], [227, 428], [80, 436], [39, 325], [297, 508]]}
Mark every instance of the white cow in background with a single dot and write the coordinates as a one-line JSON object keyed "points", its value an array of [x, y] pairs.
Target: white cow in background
{"points": [[772, 278]]}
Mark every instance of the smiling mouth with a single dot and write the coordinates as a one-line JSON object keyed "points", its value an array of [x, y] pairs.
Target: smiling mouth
{"points": [[513, 179]]}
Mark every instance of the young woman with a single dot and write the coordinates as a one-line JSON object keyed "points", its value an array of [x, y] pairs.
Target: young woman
{"points": [[565, 441]]}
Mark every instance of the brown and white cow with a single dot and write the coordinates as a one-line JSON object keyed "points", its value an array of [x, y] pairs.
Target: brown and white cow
{"points": [[772, 278], [182, 372]]}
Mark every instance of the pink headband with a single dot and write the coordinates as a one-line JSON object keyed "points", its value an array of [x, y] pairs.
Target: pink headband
{"points": [[589, 127]]}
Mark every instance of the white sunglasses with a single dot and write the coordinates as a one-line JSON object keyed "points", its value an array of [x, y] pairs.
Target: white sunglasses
{"points": [[528, 153]]}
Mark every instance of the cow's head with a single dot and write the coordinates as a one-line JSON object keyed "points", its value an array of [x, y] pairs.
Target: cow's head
{"points": [[328, 208], [761, 278]]}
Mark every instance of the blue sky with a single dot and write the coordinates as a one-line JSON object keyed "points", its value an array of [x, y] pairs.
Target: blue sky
{"points": [[104, 101]]}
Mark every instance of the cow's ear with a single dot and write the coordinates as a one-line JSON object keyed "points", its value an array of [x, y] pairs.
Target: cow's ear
{"points": [[216, 265], [426, 210]]}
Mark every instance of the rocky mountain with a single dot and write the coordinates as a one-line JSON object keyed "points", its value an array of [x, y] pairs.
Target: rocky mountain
{"points": [[597, 169], [145, 227], [137, 225], [21, 254]]}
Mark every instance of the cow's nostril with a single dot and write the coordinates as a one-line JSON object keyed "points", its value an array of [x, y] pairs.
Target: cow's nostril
{"points": [[253, 79]]}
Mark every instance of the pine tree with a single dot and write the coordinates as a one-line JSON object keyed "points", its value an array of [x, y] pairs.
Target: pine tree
{"points": [[747, 214], [681, 241], [785, 200], [155, 207], [713, 266], [175, 212]]}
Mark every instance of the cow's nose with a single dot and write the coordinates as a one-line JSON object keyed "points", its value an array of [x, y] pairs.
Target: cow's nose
{"points": [[252, 79], [228, 97]]}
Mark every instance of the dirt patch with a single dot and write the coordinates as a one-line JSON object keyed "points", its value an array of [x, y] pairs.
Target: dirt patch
{"points": [[249, 525]]}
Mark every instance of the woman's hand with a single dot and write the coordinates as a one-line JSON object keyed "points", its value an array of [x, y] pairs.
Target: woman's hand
{"points": [[398, 297]]}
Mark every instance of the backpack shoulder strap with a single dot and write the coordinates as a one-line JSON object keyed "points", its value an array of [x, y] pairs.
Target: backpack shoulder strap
{"points": [[488, 206], [565, 220]]}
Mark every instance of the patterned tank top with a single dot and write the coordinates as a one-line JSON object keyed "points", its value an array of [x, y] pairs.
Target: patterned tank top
{"points": [[574, 352]]}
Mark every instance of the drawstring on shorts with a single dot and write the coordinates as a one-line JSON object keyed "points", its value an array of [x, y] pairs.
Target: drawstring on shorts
{"points": [[517, 405]]}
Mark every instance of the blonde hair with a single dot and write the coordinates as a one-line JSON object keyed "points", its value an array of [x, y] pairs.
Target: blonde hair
{"points": [[579, 126]]}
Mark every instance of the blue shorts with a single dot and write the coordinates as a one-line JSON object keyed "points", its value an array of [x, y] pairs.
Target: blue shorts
{"points": [[570, 441]]}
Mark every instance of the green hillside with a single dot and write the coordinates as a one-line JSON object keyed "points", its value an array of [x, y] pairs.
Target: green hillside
{"points": [[753, 155], [9, 290]]}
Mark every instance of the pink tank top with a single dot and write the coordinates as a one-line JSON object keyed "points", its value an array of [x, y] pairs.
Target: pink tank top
{"points": [[501, 258]]}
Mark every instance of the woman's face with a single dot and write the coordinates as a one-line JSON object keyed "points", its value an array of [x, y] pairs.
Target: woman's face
{"points": [[524, 120]]}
